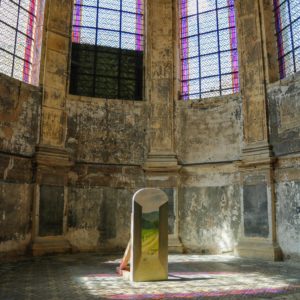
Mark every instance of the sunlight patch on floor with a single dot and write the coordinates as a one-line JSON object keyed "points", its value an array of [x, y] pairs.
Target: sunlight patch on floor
{"points": [[185, 285]]}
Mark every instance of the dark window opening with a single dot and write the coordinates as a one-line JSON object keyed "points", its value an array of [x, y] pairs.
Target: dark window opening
{"points": [[107, 49]]}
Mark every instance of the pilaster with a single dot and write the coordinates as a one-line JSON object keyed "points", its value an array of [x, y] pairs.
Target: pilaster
{"points": [[161, 166], [258, 226], [52, 160]]}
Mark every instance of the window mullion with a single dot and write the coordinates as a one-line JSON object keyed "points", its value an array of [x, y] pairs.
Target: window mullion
{"points": [[120, 52], [219, 48], [292, 36], [199, 59], [95, 52], [16, 37]]}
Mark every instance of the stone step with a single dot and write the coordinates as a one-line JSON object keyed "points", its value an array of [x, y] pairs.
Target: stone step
{"points": [[50, 245]]}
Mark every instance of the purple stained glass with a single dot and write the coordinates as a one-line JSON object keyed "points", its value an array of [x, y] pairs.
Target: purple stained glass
{"points": [[233, 46], [184, 47], [209, 56], [18, 33], [77, 21], [139, 25]]}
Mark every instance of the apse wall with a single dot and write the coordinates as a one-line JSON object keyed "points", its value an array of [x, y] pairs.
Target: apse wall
{"points": [[19, 127], [209, 140], [107, 142], [284, 124]]}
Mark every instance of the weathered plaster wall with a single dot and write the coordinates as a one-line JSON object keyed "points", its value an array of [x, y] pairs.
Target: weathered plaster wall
{"points": [[15, 217], [99, 218], [102, 134], [99, 205], [106, 131], [288, 217], [284, 124], [210, 130], [284, 112], [209, 208], [19, 116], [287, 176], [19, 123]]}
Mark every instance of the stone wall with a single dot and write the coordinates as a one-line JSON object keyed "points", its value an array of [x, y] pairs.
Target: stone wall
{"points": [[209, 208], [99, 218], [284, 112], [106, 131], [15, 218], [209, 141], [19, 126], [209, 130], [99, 205], [108, 141], [288, 217], [19, 116]]}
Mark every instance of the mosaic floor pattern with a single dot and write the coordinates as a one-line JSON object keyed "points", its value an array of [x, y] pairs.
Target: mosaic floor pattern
{"points": [[92, 276]]}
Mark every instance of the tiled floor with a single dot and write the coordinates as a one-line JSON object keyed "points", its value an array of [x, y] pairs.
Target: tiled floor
{"points": [[92, 276]]}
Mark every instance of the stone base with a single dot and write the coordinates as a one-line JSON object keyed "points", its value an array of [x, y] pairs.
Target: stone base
{"points": [[259, 249], [161, 162], [52, 156], [175, 245], [50, 245]]}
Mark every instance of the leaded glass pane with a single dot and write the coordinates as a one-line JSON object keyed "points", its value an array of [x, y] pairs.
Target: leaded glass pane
{"points": [[287, 21], [208, 48], [17, 27]]}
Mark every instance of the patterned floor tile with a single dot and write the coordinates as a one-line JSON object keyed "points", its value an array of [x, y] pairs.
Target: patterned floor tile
{"points": [[92, 276]]}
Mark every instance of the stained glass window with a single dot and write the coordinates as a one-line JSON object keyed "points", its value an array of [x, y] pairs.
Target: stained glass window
{"points": [[209, 58], [17, 38], [287, 21], [107, 49]]}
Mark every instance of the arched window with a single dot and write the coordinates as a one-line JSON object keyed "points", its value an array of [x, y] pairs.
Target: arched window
{"points": [[209, 58], [18, 33], [287, 21], [107, 49]]}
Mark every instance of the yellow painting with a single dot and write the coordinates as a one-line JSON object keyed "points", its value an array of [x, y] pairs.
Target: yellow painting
{"points": [[149, 262]]}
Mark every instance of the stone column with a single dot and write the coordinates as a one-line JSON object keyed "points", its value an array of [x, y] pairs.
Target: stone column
{"points": [[161, 165], [52, 160], [258, 229]]}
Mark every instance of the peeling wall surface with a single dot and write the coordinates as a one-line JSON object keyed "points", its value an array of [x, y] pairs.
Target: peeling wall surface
{"points": [[209, 197], [284, 112], [15, 217], [210, 130], [99, 205], [284, 123], [99, 218], [19, 116], [19, 122], [209, 208], [107, 131], [288, 217], [209, 218]]}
